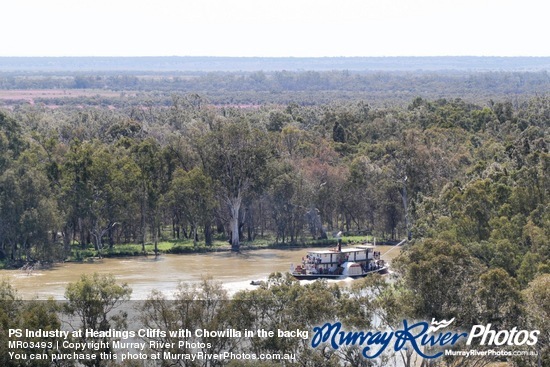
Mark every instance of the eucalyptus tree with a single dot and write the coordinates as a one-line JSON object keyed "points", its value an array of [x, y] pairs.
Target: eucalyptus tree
{"points": [[75, 193], [288, 215], [361, 206], [235, 155], [498, 298], [148, 157], [28, 211], [201, 306], [12, 142], [537, 316], [93, 302], [28, 215], [113, 202], [27, 315], [281, 303], [457, 273], [191, 194]]}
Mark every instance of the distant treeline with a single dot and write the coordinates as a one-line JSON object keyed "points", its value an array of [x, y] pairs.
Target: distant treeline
{"points": [[305, 87]]}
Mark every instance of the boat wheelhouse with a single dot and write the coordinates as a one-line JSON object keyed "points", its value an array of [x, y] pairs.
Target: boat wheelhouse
{"points": [[339, 262]]}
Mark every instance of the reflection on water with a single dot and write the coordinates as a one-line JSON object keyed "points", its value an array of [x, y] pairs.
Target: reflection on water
{"points": [[145, 274]]}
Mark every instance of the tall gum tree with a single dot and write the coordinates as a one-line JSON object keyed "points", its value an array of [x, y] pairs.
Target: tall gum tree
{"points": [[192, 197], [235, 155]]}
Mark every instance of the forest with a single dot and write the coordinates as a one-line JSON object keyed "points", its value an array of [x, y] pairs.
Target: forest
{"points": [[461, 172], [123, 89]]}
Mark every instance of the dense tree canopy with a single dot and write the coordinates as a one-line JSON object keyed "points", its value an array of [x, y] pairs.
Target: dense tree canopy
{"points": [[465, 179], [456, 171]]}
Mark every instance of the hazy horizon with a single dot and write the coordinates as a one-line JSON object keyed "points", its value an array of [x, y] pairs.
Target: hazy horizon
{"points": [[277, 57], [250, 64]]}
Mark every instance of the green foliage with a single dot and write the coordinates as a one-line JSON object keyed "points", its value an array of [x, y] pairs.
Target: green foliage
{"points": [[11, 140], [443, 278], [168, 170], [235, 155], [282, 303], [537, 306], [31, 315], [446, 168], [93, 298], [192, 196], [466, 175], [498, 298], [93, 303]]}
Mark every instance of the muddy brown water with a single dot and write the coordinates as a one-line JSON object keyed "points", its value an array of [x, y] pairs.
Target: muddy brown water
{"points": [[144, 274]]}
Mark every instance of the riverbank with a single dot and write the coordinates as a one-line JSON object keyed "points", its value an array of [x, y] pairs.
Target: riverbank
{"points": [[90, 254], [187, 247]]}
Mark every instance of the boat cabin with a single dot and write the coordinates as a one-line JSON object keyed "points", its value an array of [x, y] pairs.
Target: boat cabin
{"points": [[353, 261]]}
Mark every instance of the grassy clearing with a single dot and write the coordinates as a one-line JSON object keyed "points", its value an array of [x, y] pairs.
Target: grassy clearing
{"points": [[123, 250]]}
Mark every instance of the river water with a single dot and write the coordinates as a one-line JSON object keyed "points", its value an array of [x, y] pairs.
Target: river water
{"points": [[144, 274]]}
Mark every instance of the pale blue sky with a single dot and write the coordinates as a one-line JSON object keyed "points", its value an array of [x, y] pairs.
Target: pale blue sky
{"points": [[274, 28]]}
